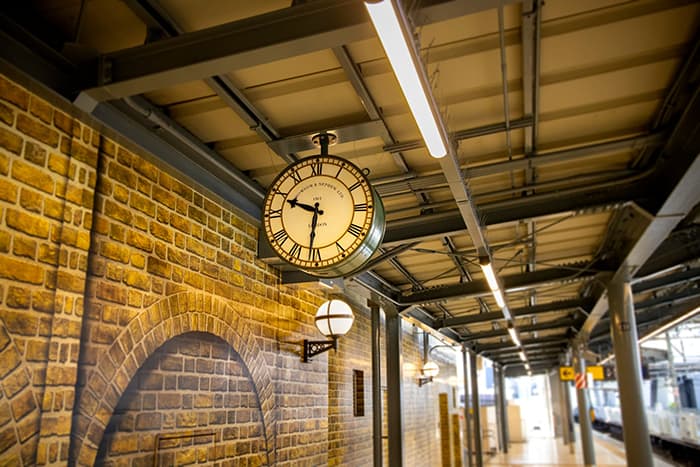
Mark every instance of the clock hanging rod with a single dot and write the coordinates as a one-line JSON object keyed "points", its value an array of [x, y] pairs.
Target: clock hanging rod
{"points": [[323, 140]]}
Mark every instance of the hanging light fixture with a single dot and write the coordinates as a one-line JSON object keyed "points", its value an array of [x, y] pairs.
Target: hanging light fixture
{"points": [[334, 318]]}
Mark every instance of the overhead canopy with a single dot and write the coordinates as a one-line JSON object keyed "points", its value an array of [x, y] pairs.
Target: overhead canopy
{"points": [[576, 126]]}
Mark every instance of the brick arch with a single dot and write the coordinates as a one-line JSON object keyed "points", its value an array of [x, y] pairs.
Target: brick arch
{"points": [[175, 315], [18, 404]]}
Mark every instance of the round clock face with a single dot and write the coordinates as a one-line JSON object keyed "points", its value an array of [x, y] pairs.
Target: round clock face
{"points": [[322, 215]]}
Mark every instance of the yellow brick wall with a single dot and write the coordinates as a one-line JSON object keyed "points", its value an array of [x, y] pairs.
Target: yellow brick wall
{"points": [[106, 257]]}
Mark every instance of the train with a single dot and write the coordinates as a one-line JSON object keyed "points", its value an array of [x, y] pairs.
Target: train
{"points": [[673, 419]]}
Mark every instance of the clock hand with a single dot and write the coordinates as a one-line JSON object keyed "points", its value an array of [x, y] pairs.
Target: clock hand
{"points": [[312, 236], [305, 207]]}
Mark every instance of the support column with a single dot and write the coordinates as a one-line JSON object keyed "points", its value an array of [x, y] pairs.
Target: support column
{"points": [[504, 405], [393, 384], [623, 327], [475, 407], [584, 415], [563, 407], [376, 383], [467, 417], [497, 404], [569, 420]]}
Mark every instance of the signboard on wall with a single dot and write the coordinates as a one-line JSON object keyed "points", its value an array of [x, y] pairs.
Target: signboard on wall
{"points": [[566, 373]]}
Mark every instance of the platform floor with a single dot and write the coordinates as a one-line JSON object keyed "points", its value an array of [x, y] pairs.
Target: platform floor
{"points": [[550, 452]]}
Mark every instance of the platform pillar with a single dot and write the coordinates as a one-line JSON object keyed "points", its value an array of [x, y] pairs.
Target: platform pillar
{"points": [[467, 417], [479, 462], [376, 384], [584, 415], [393, 384], [623, 327]]}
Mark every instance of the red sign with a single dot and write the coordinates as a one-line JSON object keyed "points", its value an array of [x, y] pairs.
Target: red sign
{"points": [[580, 380]]}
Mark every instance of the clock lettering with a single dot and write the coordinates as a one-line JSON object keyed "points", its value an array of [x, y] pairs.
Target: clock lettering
{"points": [[361, 207], [339, 247], [316, 168], [355, 186], [275, 213]]}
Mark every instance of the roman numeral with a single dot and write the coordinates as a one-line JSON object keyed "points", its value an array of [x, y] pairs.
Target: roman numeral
{"points": [[355, 229], [280, 237], [275, 213], [339, 247], [295, 176], [315, 254], [340, 169], [295, 251], [361, 207], [316, 167], [355, 186]]}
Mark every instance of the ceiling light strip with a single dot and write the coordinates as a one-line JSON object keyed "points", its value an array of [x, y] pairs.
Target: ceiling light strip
{"points": [[395, 36]]}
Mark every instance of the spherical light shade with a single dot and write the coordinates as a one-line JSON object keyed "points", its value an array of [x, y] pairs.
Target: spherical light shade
{"points": [[430, 369], [334, 318]]}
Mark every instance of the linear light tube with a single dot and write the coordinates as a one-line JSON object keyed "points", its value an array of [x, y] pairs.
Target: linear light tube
{"points": [[670, 324], [514, 336], [493, 284], [386, 21], [522, 356], [658, 331]]}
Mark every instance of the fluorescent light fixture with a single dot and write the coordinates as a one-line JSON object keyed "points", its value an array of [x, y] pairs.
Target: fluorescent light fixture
{"points": [[493, 283], [522, 356], [394, 39], [514, 336], [658, 331], [670, 324]]}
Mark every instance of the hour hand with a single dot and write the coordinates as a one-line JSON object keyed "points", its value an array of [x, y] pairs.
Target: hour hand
{"points": [[294, 203]]}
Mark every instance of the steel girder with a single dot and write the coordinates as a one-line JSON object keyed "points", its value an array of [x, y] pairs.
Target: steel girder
{"points": [[548, 325], [301, 29], [516, 312]]}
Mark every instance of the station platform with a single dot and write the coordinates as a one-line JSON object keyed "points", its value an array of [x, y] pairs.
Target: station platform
{"points": [[550, 451]]}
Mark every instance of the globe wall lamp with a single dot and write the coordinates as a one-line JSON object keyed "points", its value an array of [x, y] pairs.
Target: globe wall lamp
{"points": [[334, 319], [428, 372]]}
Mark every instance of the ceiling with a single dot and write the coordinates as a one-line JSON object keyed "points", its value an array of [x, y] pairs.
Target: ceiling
{"points": [[575, 123]]}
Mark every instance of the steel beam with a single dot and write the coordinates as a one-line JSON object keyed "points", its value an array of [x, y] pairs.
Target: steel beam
{"points": [[301, 29], [432, 226], [549, 325], [479, 288], [526, 343], [516, 312]]}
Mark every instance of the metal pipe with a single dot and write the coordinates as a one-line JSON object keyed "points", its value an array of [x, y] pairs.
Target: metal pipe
{"points": [[584, 414], [467, 416], [623, 327], [376, 383], [479, 462]]}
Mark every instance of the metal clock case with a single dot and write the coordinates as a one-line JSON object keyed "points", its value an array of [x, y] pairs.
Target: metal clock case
{"points": [[322, 215]]}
